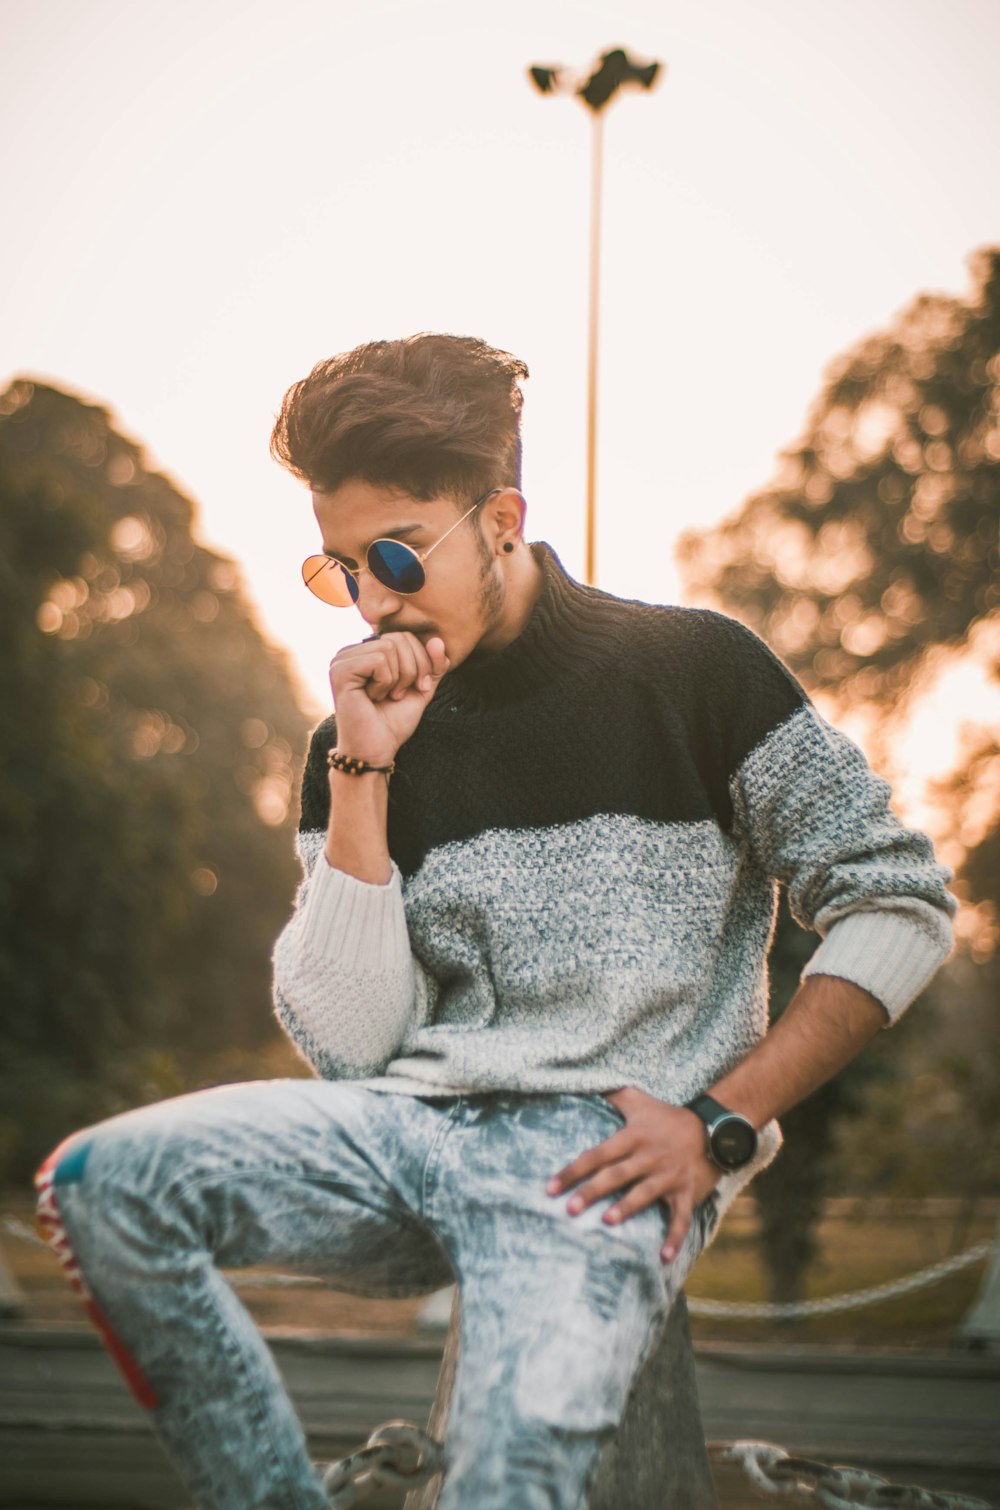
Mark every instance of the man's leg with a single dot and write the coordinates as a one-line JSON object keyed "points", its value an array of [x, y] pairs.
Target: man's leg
{"points": [[558, 1312], [300, 1173]]}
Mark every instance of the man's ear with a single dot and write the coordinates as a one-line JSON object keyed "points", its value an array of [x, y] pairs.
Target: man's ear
{"points": [[507, 512]]}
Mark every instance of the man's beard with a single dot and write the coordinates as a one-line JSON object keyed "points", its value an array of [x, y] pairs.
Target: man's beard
{"points": [[492, 589]]}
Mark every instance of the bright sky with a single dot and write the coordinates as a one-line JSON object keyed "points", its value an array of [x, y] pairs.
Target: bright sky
{"points": [[203, 199]]}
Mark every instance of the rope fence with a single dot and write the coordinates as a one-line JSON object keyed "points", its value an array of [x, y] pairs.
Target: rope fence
{"points": [[853, 1300], [850, 1301]]}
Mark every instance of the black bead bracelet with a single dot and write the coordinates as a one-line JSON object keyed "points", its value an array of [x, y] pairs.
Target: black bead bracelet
{"points": [[351, 765]]}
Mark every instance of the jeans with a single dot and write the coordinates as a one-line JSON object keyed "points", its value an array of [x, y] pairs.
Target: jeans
{"points": [[383, 1194]]}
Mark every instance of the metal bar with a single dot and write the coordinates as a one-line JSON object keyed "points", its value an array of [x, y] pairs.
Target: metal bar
{"points": [[596, 171]]}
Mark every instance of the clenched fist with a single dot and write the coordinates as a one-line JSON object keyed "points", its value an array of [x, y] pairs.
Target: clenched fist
{"points": [[380, 690]]}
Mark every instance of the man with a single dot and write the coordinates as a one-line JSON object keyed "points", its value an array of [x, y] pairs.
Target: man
{"points": [[541, 839]]}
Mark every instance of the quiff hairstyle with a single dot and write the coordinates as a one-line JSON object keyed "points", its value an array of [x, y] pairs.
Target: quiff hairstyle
{"points": [[430, 415]]}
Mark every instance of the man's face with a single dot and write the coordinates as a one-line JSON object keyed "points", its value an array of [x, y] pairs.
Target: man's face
{"points": [[463, 594]]}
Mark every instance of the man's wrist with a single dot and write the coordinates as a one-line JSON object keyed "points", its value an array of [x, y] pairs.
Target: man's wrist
{"points": [[730, 1138], [357, 750], [356, 766]]}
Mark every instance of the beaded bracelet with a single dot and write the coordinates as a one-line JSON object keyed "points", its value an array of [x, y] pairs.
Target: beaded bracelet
{"points": [[351, 765]]}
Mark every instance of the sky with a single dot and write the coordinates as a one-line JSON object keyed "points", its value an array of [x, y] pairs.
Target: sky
{"points": [[205, 199]]}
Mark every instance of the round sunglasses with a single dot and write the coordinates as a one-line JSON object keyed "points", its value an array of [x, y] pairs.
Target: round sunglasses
{"points": [[397, 566]]}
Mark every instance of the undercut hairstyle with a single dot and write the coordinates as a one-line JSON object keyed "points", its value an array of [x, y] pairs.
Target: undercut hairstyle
{"points": [[430, 415]]}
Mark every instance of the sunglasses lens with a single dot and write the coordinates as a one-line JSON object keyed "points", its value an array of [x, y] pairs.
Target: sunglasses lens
{"points": [[395, 566], [329, 581]]}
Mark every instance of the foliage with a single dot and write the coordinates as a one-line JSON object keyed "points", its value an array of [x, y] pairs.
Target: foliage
{"points": [[877, 545], [149, 739], [878, 539]]}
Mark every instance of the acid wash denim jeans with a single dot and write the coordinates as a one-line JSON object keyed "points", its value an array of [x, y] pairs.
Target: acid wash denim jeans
{"points": [[384, 1194]]}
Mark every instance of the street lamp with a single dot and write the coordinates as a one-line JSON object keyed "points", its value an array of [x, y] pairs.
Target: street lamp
{"points": [[613, 71]]}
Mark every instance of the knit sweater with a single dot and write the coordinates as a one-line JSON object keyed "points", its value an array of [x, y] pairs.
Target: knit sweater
{"points": [[586, 831]]}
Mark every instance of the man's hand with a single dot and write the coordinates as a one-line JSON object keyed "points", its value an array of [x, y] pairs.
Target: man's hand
{"points": [[380, 690], [660, 1152]]}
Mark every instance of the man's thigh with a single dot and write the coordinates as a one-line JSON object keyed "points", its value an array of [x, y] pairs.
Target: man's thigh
{"points": [[309, 1174], [560, 1311]]}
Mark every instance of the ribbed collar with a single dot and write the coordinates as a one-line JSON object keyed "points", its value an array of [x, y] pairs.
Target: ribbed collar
{"points": [[563, 634]]}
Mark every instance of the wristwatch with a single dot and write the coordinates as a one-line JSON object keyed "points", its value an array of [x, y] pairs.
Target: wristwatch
{"points": [[732, 1140]]}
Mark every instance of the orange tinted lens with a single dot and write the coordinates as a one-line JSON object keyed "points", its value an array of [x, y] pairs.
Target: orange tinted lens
{"points": [[329, 581]]}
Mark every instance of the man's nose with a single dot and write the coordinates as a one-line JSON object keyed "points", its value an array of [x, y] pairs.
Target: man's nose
{"points": [[375, 601]]}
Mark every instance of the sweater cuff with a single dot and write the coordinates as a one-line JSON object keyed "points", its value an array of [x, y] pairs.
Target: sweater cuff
{"points": [[883, 953], [353, 924]]}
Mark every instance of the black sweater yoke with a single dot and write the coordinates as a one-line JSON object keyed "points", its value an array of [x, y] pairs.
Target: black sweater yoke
{"points": [[601, 705]]}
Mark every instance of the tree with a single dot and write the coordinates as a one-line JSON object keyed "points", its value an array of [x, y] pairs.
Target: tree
{"points": [[878, 541], [874, 550], [149, 743]]}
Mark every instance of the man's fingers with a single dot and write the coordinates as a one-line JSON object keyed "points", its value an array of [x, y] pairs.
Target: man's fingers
{"points": [[611, 1177], [438, 657], [412, 667], [418, 669], [642, 1194], [407, 670], [615, 1147], [388, 666], [431, 664], [383, 672], [681, 1209]]}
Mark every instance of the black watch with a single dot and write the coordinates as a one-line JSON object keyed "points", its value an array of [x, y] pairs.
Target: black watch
{"points": [[732, 1140]]}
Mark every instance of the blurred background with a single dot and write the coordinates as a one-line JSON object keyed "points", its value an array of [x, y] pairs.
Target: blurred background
{"points": [[799, 424]]}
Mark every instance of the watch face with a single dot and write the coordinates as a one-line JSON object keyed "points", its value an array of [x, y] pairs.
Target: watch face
{"points": [[734, 1142]]}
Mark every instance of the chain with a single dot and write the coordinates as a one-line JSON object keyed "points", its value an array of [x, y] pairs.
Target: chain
{"points": [[762, 1310], [397, 1454], [774, 1471]]}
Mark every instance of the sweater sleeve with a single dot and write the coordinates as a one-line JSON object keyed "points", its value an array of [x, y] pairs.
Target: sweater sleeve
{"points": [[345, 985], [818, 819]]}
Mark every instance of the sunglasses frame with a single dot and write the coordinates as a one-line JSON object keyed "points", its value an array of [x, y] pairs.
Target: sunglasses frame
{"points": [[355, 572]]}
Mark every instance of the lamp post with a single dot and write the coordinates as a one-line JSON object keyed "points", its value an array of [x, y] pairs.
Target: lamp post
{"points": [[612, 72]]}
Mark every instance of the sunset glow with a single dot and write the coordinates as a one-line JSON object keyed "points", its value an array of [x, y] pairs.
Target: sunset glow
{"points": [[207, 200]]}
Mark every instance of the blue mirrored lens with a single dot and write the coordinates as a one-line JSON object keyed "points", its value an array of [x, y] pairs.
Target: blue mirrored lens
{"points": [[395, 566]]}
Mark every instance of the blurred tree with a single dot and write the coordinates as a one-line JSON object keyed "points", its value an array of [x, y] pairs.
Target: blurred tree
{"points": [[875, 546], [149, 743], [878, 539]]}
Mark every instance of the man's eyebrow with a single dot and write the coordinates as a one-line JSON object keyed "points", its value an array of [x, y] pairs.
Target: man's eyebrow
{"points": [[396, 534]]}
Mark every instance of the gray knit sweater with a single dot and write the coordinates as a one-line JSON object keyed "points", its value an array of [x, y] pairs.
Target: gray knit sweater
{"points": [[587, 830]]}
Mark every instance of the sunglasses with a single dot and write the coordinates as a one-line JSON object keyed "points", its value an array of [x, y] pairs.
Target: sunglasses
{"points": [[397, 566]]}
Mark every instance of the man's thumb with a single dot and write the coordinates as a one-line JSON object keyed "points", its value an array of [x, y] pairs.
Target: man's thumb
{"points": [[438, 655]]}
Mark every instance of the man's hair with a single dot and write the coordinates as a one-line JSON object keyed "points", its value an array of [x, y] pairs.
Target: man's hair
{"points": [[430, 415]]}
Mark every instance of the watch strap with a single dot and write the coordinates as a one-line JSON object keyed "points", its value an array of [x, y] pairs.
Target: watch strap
{"points": [[708, 1109]]}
